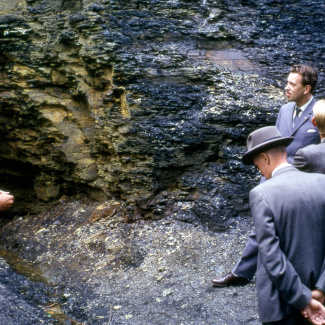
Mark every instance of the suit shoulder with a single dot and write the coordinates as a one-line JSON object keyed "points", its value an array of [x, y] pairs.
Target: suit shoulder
{"points": [[306, 149], [314, 179], [287, 106], [312, 149], [263, 187], [287, 181]]}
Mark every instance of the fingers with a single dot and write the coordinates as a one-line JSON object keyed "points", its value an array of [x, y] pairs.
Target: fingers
{"points": [[317, 321], [304, 312], [6, 200], [318, 295], [315, 312]]}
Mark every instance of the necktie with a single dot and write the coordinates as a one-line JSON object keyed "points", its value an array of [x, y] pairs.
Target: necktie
{"points": [[296, 116]]}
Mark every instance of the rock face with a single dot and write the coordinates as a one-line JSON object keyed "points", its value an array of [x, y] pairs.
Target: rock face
{"points": [[147, 102], [143, 106]]}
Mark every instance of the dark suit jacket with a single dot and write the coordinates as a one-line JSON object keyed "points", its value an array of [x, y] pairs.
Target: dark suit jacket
{"points": [[304, 132], [311, 159], [289, 218]]}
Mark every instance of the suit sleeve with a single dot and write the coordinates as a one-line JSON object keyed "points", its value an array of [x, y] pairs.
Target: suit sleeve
{"points": [[300, 161], [278, 119], [321, 281], [278, 267]]}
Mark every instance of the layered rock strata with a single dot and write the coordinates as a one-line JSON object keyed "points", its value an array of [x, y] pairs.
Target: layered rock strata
{"points": [[147, 102]]}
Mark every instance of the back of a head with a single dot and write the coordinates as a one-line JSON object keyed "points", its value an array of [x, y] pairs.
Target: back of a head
{"points": [[277, 154], [319, 114], [308, 73]]}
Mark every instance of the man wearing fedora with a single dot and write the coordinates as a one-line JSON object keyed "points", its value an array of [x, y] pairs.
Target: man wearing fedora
{"points": [[289, 218], [294, 119]]}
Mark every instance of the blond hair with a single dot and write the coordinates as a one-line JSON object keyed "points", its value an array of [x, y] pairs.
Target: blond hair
{"points": [[319, 114]]}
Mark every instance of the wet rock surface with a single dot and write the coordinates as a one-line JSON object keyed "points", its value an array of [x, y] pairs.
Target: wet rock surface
{"points": [[131, 100], [98, 269], [18, 307]]}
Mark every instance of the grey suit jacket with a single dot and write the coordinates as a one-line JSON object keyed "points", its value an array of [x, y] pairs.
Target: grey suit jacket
{"points": [[289, 218], [304, 132], [311, 159]]}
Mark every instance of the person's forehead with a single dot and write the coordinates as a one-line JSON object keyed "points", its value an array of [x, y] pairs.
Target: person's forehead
{"points": [[294, 76]]}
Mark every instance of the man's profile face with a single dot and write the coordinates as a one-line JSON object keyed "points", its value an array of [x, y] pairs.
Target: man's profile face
{"points": [[295, 90]]}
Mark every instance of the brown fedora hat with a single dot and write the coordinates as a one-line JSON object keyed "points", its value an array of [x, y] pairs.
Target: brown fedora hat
{"points": [[263, 139]]}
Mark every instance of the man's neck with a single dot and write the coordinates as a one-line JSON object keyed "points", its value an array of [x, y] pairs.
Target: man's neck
{"points": [[304, 100], [280, 165]]}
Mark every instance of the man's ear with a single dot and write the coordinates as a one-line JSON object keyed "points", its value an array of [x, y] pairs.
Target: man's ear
{"points": [[265, 157], [313, 120], [307, 89]]}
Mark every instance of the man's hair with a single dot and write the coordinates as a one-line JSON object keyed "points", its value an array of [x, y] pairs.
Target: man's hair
{"points": [[308, 73], [319, 114], [276, 151]]}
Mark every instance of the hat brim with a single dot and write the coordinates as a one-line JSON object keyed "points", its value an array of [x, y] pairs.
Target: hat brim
{"points": [[247, 158]]}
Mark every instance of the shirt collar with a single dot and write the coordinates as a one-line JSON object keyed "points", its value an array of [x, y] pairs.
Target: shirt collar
{"points": [[303, 107], [279, 167]]}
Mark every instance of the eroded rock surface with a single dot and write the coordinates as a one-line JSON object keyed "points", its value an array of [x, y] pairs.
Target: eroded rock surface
{"points": [[136, 100]]}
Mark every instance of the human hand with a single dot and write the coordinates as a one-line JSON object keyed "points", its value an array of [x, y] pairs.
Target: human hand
{"points": [[315, 312], [318, 295], [6, 200]]}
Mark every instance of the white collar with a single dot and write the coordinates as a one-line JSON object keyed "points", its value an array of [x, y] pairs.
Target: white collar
{"points": [[285, 164], [303, 107]]}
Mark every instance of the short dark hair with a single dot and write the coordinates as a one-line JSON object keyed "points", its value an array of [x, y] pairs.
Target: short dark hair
{"points": [[308, 73], [277, 150]]}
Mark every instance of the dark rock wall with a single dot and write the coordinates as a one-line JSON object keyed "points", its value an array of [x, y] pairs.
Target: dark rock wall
{"points": [[146, 101]]}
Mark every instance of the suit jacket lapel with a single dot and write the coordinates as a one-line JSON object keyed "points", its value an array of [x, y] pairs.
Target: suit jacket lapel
{"points": [[304, 117], [288, 119]]}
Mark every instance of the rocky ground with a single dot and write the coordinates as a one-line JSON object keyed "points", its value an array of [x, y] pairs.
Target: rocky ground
{"points": [[80, 264]]}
